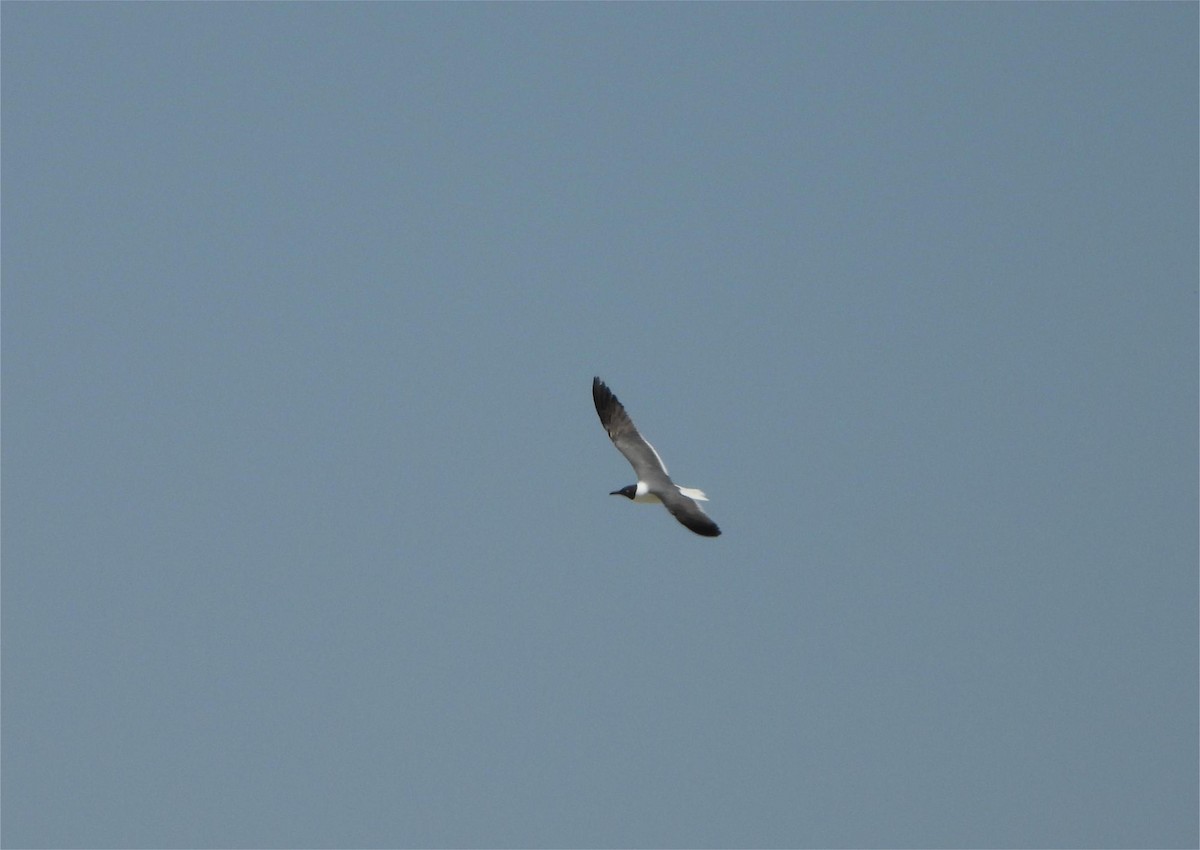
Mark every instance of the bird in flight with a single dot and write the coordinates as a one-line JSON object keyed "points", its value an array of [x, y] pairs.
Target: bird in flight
{"points": [[653, 482]]}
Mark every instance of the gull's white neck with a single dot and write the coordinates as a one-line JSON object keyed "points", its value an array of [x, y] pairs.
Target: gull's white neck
{"points": [[643, 494]]}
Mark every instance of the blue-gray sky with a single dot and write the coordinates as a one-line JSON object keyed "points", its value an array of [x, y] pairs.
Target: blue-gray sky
{"points": [[307, 534]]}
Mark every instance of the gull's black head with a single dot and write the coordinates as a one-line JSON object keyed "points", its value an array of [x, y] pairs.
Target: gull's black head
{"points": [[628, 492]]}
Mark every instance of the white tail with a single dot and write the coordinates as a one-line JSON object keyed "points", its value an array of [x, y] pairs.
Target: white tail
{"points": [[693, 493]]}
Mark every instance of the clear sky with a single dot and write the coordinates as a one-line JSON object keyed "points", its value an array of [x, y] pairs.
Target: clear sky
{"points": [[307, 539]]}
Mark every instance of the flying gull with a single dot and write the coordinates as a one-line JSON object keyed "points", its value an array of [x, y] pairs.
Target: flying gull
{"points": [[653, 484]]}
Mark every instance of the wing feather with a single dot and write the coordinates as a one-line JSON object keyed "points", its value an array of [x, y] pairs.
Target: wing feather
{"points": [[621, 430], [689, 512]]}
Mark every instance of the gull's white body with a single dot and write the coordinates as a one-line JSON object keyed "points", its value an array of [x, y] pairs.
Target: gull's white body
{"points": [[644, 496]]}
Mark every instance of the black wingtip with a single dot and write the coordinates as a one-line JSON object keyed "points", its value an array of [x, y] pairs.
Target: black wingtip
{"points": [[701, 525], [604, 399], [708, 531]]}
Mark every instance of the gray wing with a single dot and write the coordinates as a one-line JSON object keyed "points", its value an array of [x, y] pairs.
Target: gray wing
{"points": [[640, 454], [688, 511]]}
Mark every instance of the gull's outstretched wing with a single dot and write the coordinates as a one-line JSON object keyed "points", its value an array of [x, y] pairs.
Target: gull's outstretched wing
{"points": [[640, 454], [689, 512]]}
